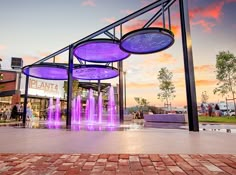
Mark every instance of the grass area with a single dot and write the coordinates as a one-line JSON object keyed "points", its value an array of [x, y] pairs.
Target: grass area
{"points": [[217, 119], [8, 121]]}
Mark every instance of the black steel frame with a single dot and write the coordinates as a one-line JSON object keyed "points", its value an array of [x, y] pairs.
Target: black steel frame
{"points": [[187, 52]]}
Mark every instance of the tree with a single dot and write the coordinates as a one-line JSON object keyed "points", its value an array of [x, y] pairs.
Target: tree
{"points": [[75, 88], [226, 74], [166, 85], [142, 102], [204, 97]]}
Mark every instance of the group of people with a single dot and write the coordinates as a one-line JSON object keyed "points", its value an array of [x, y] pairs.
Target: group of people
{"points": [[211, 109], [5, 113], [138, 115], [15, 112]]}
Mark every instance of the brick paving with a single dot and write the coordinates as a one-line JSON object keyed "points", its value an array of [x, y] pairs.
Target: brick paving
{"points": [[117, 164]]}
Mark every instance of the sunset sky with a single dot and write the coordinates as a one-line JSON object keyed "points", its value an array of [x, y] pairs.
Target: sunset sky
{"points": [[33, 29]]}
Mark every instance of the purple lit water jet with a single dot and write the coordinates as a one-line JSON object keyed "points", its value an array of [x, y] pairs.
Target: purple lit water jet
{"points": [[50, 110], [91, 106], [57, 111], [78, 108], [87, 109], [73, 111], [111, 106], [100, 108]]}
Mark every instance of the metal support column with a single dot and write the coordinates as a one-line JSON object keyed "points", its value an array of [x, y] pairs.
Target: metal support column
{"points": [[69, 87], [188, 67], [25, 99], [99, 87], [121, 105], [125, 89]]}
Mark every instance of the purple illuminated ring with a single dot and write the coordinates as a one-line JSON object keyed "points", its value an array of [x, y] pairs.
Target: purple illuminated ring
{"points": [[46, 71], [100, 51], [147, 40], [95, 72]]}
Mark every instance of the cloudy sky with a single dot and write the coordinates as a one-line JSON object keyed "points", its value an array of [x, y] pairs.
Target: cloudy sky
{"points": [[32, 29]]}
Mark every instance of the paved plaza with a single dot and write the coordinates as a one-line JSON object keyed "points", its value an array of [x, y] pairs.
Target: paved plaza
{"points": [[131, 151], [130, 141], [117, 164]]}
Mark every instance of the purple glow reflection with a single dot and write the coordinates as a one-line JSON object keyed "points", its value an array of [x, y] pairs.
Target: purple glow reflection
{"points": [[100, 50], [46, 72], [147, 40], [95, 72]]}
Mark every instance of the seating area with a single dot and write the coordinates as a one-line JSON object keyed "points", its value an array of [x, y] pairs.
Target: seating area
{"points": [[167, 118]]}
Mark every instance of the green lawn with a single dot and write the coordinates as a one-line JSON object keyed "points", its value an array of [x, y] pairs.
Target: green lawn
{"points": [[217, 119], [8, 121]]}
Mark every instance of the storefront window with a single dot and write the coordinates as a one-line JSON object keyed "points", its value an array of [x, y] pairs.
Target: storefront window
{"points": [[5, 101]]}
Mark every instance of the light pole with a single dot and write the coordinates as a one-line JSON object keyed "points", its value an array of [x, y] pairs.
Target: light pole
{"points": [[125, 88]]}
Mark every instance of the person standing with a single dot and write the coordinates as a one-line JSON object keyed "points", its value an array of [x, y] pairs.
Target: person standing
{"points": [[209, 110], [14, 112], [8, 114], [217, 110]]}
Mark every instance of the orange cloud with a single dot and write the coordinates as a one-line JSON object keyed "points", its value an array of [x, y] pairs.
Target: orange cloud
{"points": [[200, 15], [126, 11], [197, 69], [29, 59], [178, 70], [212, 11], [109, 20], [44, 54], [205, 82], [90, 3], [140, 85], [181, 82], [159, 58], [137, 24], [205, 67], [206, 25]]}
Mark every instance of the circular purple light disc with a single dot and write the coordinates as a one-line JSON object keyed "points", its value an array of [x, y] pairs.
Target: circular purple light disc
{"points": [[100, 51], [147, 40], [95, 72], [44, 71]]}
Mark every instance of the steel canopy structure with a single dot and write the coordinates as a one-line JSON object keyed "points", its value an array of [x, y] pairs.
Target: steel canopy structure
{"points": [[187, 53]]}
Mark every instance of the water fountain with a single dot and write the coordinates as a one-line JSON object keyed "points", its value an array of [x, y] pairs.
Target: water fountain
{"points": [[111, 107], [91, 108], [50, 110], [57, 111], [73, 111], [78, 109], [92, 116], [100, 108], [87, 110]]}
